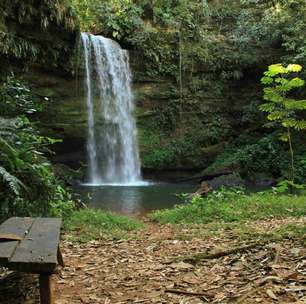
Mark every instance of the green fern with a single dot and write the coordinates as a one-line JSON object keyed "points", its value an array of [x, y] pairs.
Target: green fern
{"points": [[10, 153], [13, 182]]}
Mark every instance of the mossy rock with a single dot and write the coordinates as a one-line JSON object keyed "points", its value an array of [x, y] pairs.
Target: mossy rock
{"points": [[154, 92]]}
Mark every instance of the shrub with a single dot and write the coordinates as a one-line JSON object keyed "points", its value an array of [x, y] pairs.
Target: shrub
{"points": [[28, 184]]}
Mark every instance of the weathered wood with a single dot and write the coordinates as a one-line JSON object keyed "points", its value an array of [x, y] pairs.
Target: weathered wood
{"points": [[18, 227], [8, 237], [38, 251], [45, 288], [32, 245]]}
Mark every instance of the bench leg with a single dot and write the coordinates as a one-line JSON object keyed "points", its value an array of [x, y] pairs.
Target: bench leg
{"points": [[60, 259], [45, 288]]}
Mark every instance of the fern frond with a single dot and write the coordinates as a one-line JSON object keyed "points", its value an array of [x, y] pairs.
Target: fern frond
{"points": [[13, 182], [300, 125], [8, 150], [293, 104]]}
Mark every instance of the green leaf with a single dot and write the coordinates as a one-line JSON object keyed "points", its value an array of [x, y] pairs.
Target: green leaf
{"points": [[292, 104], [300, 125], [289, 123], [276, 69], [272, 94], [296, 82], [266, 80], [267, 107], [281, 80], [294, 68], [276, 115], [284, 137]]}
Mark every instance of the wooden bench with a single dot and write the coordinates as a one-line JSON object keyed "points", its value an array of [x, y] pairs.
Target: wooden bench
{"points": [[31, 245]]}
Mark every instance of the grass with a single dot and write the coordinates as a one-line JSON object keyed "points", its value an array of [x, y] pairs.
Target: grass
{"points": [[220, 211], [233, 206], [292, 231], [91, 224]]}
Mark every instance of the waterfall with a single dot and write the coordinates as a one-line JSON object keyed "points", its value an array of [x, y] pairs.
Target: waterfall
{"points": [[112, 148]]}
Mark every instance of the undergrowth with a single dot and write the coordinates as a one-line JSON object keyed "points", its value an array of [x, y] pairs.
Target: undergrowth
{"points": [[233, 206], [28, 184]]}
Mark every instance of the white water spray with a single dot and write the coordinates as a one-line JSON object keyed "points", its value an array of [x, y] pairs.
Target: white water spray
{"points": [[112, 135]]}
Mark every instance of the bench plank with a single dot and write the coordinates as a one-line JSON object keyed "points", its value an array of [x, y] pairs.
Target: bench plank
{"points": [[37, 252], [16, 226]]}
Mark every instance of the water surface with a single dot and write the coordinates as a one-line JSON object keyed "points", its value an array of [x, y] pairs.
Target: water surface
{"points": [[134, 199]]}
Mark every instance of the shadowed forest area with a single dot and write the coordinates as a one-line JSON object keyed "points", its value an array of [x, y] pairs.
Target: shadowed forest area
{"points": [[169, 137]]}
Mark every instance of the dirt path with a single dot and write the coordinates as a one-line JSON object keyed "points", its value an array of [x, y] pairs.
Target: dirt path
{"points": [[144, 269]]}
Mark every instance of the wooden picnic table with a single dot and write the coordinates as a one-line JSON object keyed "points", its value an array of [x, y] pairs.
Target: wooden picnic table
{"points": [[31, 245]]}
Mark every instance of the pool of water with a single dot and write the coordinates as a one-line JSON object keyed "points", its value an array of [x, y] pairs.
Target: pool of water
{"points": [[134, 199]]}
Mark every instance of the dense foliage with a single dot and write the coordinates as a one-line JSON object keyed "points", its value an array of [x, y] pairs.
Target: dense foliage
{"points": [[200, 63], [212, 54], [252, 25], [37, 31], [28, 184]]}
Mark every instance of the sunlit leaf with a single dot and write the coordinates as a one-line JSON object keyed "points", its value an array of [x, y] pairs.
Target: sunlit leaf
{"points": [[266, 80], [276, 69], [294, 68], [293, 104], [284, 137], [296, 82]]}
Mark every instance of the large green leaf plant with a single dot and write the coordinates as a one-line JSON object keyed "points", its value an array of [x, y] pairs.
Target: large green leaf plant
{"points": [[283, 110]]}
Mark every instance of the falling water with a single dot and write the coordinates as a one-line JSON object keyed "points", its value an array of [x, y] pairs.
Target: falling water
{"points": [[112, 135]]}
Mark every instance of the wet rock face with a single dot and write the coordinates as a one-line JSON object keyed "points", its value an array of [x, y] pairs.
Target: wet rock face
{"points": [[64, 116], [162, 145], [230, 180]]}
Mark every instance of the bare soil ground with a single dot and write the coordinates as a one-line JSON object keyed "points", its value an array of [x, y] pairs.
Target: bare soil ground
{"points": [[149, 268]]}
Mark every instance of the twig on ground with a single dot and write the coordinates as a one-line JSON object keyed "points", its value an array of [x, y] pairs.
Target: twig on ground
{"points": [[277, 255], [185, 292], [204, 256], [255, 288]]}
